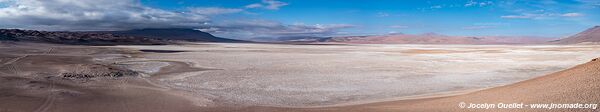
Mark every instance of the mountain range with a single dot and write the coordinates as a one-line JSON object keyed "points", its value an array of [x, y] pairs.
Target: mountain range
{"points": [[589, 36], [128, 37], [174, 35], [432, 38], [75, 38]]}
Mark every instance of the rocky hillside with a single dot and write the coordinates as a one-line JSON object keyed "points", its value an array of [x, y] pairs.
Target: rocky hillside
{"points": [[76, 38], [589, 36], [174, 34]]}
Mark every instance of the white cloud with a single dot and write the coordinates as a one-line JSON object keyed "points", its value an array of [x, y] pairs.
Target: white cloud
{"points": [[571, 14], [541, 15], [254, 5], [433, 7], [523, 16], [131, 14], [399, 26], [593, 3], [214, 10], [265, 28], [274, 5], [478, 27], [268, 4], [436, 7], [470, 3], [93, 15], [210, 29], [382, 14], [480, 4]]}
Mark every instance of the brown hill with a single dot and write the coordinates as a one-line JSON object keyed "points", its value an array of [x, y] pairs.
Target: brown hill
{"points": [[431, 38], [75, 38], [174, 34], [129, 37], [591, 35]]}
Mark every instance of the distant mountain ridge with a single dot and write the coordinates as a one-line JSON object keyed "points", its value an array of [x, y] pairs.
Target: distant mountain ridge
{"points": [[128, 37], [174, 34], [291, 39], [155, 36], [75, 38], [432, 38], [589, 36]]}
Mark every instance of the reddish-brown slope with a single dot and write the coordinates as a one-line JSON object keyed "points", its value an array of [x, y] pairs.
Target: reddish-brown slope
{"points": [[591, 35]]}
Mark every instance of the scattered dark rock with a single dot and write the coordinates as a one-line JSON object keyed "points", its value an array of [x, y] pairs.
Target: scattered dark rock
{"points": [[102, 74], [97, 70], [69, 93], [161, 51]]}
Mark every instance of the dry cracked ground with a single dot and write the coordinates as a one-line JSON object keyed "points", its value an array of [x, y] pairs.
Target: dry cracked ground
{"points": [[218, 76]]}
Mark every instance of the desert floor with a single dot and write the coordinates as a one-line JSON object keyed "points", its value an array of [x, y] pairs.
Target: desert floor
{"points": [[337, 75], [263, 77]]}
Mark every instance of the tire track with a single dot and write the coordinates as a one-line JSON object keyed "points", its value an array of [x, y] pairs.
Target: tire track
{"points": [[13, 60], [49, 101], [159, 86], [1, 72], [13, 69], [124, 102], [49, 51], [51, 98]]}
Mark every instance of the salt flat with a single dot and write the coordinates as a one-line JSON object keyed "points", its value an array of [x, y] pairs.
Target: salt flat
{"points": [[326, 75]]}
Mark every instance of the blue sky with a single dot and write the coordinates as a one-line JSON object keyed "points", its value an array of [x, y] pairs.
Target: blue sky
{"points": [[452, 17], [277, 18]]}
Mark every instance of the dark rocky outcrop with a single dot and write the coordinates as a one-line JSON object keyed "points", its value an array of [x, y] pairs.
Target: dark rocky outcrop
{"points": [[96, 70]]}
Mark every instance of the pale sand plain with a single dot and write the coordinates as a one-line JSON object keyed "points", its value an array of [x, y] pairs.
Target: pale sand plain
{"points": [[311, 76], [276, 77]]}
